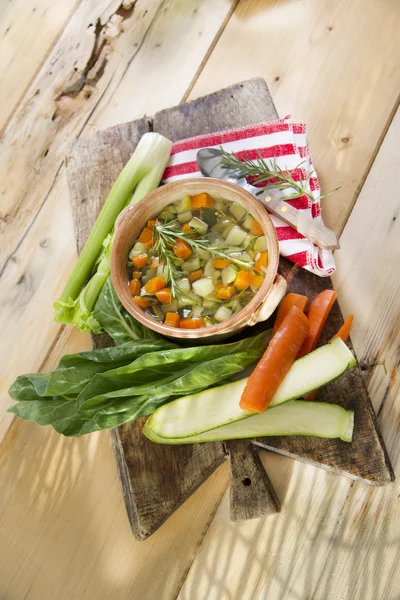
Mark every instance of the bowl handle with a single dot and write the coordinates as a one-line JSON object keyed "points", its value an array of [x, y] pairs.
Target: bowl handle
{"points": [[270, 302]]}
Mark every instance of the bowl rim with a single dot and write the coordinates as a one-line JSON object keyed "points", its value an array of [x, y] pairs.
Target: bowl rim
{"points": [[162, 194]]}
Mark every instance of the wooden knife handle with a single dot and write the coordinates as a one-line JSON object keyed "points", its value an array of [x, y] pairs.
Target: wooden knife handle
{"points": [[304, 224]]}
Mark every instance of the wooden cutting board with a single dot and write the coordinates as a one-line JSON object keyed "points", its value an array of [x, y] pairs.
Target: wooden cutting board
{"points": [[157, 479]]}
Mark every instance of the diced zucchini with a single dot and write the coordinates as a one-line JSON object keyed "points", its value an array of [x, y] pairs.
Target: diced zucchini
{"points": [[162, 271], [138, 248], [185, 217], [228, 275], [216, 239], [150, 273], [261, 245], [184, 205], [210, 301], [248, 222], [184, 284], [178, 261], [235, 236], [216, 276], [222, 314], [220, 204], [223, 226], [203, 254], [170, 306], [297, 417], [197, 311], [191, 265], [209, 269], [247, 241], [203, 287], [238, 212], [189, 299], [219, 406], [208, 322], [199, 225]]}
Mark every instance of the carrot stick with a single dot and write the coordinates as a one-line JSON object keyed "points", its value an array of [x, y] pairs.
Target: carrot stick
{"points": [[275, 362], [286, 304], [344, 331], [317, 315]]}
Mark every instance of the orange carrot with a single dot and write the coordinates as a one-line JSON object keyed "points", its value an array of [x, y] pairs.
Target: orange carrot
{"points": [[243, 280], [140, 261], [275, 362], [136, 275], [286, 304], [149, 244], [256, 228], [182, 249], [191, 323], [225, 292], [141, 301], [154, 285], [164, 295], [195, 275], [344, 331], [151, 223], [186, 227], [256, 280], [317, 315], [146, 235], [134, 287], [201, 201], [261, 261], [220, 263], [172, 319]]}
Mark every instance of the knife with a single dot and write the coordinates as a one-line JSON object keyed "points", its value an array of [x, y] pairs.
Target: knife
{"points": [[209, 163]]}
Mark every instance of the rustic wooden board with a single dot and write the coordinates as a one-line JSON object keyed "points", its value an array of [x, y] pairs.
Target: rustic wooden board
{"points": [[157, 480]]}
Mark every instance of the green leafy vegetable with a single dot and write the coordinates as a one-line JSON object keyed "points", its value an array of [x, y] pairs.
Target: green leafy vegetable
{"points": [[143, 172]]}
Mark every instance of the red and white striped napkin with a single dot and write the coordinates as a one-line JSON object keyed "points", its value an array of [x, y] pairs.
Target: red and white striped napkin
{"points": [[284, 140]]}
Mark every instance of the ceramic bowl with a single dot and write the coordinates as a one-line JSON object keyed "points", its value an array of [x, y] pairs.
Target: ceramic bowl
{"points": [[133, 219]]}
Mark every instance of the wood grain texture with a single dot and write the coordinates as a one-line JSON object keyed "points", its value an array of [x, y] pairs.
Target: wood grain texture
{"points": [[251, 492], [22, 50], [331, 64]]}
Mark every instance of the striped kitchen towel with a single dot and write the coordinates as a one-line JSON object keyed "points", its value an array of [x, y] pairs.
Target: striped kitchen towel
{"points": [[285, 141]]}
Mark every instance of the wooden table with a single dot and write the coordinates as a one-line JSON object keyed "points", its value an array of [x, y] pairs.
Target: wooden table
{"points": [[72, 67]]}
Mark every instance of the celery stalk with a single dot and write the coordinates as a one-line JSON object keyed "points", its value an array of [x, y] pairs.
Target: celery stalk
{"points": [[141, 175]]}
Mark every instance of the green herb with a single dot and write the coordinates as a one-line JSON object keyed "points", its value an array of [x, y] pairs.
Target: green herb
{"points": [[143, 172], [260, 171], [165, 236]]}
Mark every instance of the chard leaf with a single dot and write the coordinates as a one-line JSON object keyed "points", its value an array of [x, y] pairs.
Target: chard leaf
{"points": [[114, 319]]}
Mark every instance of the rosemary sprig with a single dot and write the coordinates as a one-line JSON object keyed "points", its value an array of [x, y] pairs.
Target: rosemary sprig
{"points": [[260, 171], [165, 236]]}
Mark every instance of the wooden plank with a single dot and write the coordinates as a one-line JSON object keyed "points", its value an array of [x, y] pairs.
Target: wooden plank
{"points": [[331, 534], [33, 212], [22, 50], [347, 109]]}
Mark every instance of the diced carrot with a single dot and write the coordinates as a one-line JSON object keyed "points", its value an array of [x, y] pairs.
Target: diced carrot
{"points": [[149, 244], [140, 261], [191, 323], [151, 223], [225, 292], [220, 263], [261, 261], [218, 287], [286, 304], [182, 249], [141, 301], [155, 262], [134, 287], [256, 228], [317, 315], [187, 229], [344, 331], [195, 275], [164, 295], [275, 362], [257, 280], [201, 201], [154, 285], [172, 319], [243, 280], [146, 235], [137, 275]]}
